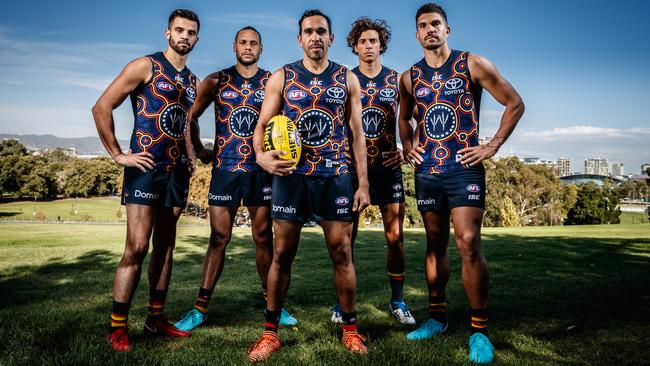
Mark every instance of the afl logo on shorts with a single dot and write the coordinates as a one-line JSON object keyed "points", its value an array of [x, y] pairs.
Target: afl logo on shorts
{"points": [[267, 190], [296, 94], [473, 188], [172, 121], [163, 85], [422, 92], [315, 127], [397, 187], [242, 121], [229, 94], [373, 121], [439, 121], [342, 201]]}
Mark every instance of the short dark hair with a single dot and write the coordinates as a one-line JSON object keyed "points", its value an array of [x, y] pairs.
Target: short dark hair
{"points": [[431, 8], [365, 24], [313, 13], [248, 27], [184, 13]]}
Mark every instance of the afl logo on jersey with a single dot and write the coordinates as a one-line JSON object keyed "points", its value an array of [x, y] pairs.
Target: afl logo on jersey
{"points": [[296, 94], [163, 85], [373, 121], [473, 188], [422, 92], [242, 121], [342, 201], [229, 94], [172, 121], [440, 121], [315, 127]]}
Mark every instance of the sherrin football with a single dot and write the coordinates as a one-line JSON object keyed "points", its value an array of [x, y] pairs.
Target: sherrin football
{"points": [[282, 134]]}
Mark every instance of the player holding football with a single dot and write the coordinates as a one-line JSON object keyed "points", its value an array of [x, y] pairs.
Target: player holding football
{"points": [[156, 176], [369, 39], [323, 98], [237, 92], [444, 90]]}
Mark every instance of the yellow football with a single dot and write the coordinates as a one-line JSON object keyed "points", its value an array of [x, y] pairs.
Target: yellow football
{"points": [[282, 134]]}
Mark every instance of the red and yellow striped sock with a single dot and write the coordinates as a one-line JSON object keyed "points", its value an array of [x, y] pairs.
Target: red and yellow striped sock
{"points": [[438, 308], [203, 300], [119, 315], [479, 321], [156, 307], [396, 281]]}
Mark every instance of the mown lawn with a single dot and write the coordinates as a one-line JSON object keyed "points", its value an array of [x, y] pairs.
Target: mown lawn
{"points": [[562, 295]]}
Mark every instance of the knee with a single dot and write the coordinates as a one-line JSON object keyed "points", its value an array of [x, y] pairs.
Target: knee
{"points": [[135, 253], [219, 241], [393, 239], [283, 257], [342, 256], [469, 246], [263, 239]]}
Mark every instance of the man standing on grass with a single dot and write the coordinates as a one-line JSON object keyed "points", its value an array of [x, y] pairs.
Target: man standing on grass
{"points": [[156, 170], [444, 90], [237, 92], [323, 99], [379, 98]]}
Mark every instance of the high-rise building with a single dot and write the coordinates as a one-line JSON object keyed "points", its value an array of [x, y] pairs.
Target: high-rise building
{"points": [[597, 166], [563, 167], [644, 167], [616, 169]]}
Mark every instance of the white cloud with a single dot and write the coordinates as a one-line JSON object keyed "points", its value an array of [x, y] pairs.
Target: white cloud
{"points": [[267, 20], [86, 65]]}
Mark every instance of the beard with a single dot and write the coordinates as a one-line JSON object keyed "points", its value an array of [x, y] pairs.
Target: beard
{"points": [[247, 62], [181, 49]]}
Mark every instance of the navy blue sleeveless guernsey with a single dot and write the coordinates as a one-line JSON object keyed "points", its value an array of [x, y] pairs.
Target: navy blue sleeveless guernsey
{"points": [[447, 112], [160, 109], [379, 99], [237, 107], [316, 103]]}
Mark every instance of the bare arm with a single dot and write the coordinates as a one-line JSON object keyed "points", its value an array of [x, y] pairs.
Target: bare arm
{"points": [[136, 72], [206, 92], [485, 73], [412, 152], [361, 196], [268, 160]]}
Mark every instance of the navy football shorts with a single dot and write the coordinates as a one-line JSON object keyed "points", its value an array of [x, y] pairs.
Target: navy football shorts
{"points": [[165, 186], [232, 188], [301, 198], [385, 186], [442, 192]]}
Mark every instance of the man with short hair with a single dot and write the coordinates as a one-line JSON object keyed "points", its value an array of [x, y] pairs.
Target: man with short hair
{"points": [[156, 175], [444, 90], [369, 39], [322, 98], [237, 92]]}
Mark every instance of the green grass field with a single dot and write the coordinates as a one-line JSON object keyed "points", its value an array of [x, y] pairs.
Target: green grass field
{"points": [[102, 209], [562, 295]]}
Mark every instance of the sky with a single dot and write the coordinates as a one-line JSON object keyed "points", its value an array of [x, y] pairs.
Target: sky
{"points": [[578, 65]]}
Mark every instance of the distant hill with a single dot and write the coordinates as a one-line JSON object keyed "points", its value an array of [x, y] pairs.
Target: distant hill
{"points": [[83, 145]]}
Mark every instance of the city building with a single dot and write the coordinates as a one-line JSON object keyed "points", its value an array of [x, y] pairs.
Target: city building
{"points": [[597, 166], [644, 167], [616, 169], [563, 167]]}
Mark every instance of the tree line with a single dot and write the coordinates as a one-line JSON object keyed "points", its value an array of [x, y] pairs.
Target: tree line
{"points": [[517, 194]]}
